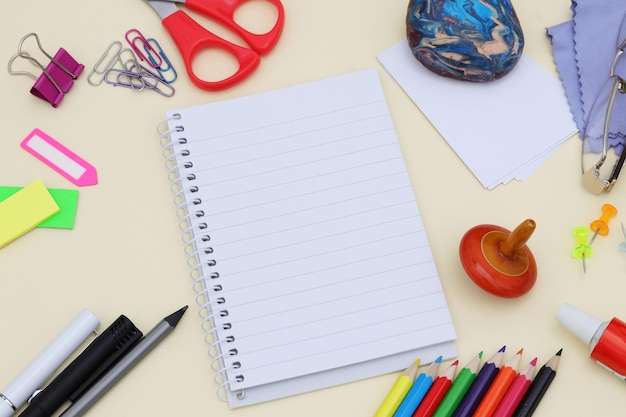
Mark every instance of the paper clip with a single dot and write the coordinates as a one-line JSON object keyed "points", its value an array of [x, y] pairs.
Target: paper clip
{"points": [[128, 76], [56, 79], [153, 58], [125, 78], [161, 69], [130, 69], [158, 81], [154, 80], [112, 53], [120, 67], [136, 77]]}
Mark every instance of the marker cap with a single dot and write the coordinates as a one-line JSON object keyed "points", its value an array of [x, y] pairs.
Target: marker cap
{"points": [[578, 322]]}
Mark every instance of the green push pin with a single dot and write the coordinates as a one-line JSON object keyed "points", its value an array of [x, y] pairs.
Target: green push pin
{"points": [[582, 249]]}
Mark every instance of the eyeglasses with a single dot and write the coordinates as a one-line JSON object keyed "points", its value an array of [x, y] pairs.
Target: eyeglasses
{"points": [[599, 126]]}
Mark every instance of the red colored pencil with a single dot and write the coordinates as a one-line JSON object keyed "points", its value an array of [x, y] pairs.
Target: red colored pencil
{"points": [[498, 387], [436, 392], [516, 391]]}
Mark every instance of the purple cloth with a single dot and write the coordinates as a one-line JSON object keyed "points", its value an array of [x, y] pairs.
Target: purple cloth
{"points": [[584, 49], [562, 37]]}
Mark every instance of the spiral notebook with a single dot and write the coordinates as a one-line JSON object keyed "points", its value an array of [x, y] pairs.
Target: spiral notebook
{"points": [[305, 241]]}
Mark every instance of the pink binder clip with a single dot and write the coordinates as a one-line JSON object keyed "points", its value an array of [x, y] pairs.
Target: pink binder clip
{"points": [[56, 79]]}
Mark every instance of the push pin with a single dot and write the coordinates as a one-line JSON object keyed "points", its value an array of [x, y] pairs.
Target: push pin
{"points": [[582, 249], [601, 226], [55, 79]]}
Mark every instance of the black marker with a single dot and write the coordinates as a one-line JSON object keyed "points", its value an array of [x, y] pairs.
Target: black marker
{"points": [[112, 343], [124, 365]]}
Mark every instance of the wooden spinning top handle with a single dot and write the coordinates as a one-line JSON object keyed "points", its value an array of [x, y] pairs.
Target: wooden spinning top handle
{"points": [[518, 238]]}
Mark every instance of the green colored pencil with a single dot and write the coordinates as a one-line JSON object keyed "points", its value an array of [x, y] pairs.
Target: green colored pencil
{"points": [[459, 387]]}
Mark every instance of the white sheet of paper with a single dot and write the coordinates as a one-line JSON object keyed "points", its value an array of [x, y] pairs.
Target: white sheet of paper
{"points": [[502, 130]]}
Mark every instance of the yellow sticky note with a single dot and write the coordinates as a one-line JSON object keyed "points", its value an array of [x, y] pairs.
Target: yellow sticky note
{"points": [[24, 210]]}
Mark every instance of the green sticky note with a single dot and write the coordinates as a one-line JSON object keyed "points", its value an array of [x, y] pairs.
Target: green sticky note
{"points": [[67, 200]]}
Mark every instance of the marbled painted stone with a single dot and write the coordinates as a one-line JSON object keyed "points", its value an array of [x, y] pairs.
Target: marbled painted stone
{"points": [[470, 40]]}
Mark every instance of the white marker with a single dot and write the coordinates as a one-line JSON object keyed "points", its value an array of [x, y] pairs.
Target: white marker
{"points": [[49, 360]]}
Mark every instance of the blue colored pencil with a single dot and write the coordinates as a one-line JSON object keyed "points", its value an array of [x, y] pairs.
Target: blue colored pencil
{"points": [[418, 390]]}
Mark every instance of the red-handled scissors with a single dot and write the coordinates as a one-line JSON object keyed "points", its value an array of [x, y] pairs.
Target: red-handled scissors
{"points": [[191, 38]]}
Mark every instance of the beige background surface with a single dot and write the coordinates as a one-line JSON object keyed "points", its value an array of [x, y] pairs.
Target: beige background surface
{"points": [[125, 253]]}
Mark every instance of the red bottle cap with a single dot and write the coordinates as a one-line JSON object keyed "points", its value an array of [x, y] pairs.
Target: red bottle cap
{"points": [[611, 348]]}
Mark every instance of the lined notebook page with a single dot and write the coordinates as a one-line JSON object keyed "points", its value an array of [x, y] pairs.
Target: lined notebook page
{"points": [[314, 230]]}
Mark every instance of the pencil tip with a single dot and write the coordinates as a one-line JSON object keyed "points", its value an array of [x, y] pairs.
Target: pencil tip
{"points": [[534, 362], [480, 354], [175, 317], [438, 360], [519, 352], [502, 349], [455, 363], [559, 352]]}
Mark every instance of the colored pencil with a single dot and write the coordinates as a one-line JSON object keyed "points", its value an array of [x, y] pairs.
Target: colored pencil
{"points": [[499, 386], [418, 390], [437, 391], [459, 387], [538, 387], [479, 387], [398, 391], [518, 388]]}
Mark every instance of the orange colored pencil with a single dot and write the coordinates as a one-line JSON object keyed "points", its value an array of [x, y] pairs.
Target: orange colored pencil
{"points": [[516, 391], [498, 387]]}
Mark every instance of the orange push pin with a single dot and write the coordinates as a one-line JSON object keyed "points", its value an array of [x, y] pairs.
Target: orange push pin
{"points": [[582, 249], [499, 261], [601, 226]]}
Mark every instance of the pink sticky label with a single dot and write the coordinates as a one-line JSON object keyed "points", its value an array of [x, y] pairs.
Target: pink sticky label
{"points": [[59, 158]]}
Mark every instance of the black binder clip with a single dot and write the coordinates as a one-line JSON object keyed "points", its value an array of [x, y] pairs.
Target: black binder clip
{"points": [[56, 79]]}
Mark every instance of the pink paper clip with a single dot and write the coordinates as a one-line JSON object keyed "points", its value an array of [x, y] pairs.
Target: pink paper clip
{"points": [[153, 59], [56, 79]]}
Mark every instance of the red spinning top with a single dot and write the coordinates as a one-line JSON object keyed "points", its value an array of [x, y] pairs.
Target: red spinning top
{"points": [[499, 261]]}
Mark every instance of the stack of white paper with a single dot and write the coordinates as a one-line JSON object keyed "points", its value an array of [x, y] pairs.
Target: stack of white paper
{"points": [[502, 130]]}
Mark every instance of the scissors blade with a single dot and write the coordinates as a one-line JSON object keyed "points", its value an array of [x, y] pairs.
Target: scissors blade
{"points": [[163, 7]]}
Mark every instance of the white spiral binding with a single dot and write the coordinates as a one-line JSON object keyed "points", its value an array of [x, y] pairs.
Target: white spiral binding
{"points": [[196, 244]]}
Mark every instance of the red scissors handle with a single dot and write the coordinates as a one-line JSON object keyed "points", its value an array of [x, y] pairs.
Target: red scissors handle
{"points": [[191, 39], [223, 11]]}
